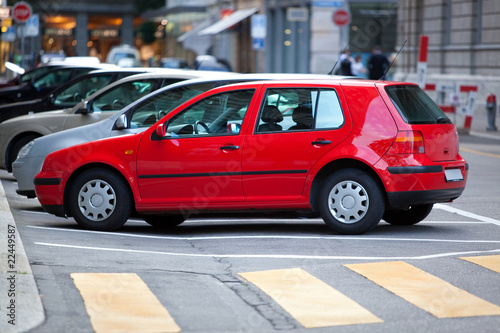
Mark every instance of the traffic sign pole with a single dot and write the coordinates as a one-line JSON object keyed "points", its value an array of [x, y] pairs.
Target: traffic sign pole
{"points": [[21, 12]]}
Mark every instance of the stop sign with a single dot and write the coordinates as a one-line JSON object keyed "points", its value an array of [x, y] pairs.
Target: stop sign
{"points": [[21, 12], [341, 17]]}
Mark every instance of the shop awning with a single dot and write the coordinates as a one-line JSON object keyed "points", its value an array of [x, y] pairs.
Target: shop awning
{"points": [[194, 32], [228, 21]]}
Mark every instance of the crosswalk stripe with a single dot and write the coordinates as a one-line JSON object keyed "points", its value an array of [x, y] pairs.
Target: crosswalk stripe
{"points": [[309, 300], [122, 302], [490, 262], [428, 292]]}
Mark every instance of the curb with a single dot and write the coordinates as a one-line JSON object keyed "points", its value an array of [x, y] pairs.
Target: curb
{"points": [[21, 308]]}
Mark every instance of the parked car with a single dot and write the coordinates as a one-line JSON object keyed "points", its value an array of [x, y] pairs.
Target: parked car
{"points": [[69, 94], [30, 159], [17, 132], [179, 63], [44, 84], [354, 151], [124, 56]]}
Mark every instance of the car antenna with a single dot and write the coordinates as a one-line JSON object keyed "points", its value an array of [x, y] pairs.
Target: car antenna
{"points": [[392, 62], [345, 49]]}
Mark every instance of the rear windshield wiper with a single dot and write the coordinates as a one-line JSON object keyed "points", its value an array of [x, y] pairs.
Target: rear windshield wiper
{"points": [[443, 120]]}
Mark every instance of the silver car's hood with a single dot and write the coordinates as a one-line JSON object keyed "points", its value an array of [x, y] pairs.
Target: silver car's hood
{"points": [[70, 137]]}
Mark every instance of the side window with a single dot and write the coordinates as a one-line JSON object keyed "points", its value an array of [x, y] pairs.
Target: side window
{"points": [[53, 78], [120, 96], [300, 109], [81, 90], [220, 114], [147, 113]]}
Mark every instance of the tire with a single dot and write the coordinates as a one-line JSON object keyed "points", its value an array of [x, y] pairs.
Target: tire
{"points": [[164, 221], [407, 217], [100, 200], [351, 202], [16, 147]]}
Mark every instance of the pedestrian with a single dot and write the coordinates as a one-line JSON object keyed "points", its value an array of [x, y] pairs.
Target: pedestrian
{"points": [[357, 67], [345, 61], [377, 64]]}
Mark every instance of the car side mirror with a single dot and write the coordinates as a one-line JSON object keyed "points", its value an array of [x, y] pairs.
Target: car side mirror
{"points": [[86, 108], [121, 122], [160, 131]]}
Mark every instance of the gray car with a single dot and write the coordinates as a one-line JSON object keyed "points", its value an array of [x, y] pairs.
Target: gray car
{"points": [[134, 118]]}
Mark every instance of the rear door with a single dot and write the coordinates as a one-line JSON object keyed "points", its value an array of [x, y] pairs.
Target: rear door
{"points": [[296, 126]]}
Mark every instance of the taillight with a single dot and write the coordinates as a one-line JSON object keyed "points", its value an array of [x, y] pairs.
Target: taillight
{"points": [[408, 142]]}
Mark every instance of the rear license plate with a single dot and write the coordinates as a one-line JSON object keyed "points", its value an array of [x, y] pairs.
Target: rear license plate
{"points": [[453, 175]]}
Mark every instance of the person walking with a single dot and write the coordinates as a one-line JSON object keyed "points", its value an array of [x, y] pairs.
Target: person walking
{"points": [[377, 64], [357, 67]]}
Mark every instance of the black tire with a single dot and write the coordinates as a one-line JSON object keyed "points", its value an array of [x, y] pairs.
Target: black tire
{"points": [[351, 202], [89, 194], [164, 221], [16, 147], [407, 217]]}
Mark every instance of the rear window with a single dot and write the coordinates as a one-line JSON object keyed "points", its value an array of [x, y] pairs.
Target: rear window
{"points": [[415, 106]]}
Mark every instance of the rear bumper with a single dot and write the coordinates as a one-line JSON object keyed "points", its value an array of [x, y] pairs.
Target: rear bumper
{"points": [[404, 199]]}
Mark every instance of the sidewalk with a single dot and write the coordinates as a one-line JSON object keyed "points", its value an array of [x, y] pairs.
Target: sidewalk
{"points": [[20, 304]]}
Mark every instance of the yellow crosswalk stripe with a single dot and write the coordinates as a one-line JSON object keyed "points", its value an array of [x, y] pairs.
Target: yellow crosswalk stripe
{"points": [[490, 262], [425, 291], [309, 300], [122, 302]]}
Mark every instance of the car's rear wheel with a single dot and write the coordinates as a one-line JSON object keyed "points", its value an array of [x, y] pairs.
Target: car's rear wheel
{"points": [[100, 200], [409, 216], [164, 221], [351, 202]]}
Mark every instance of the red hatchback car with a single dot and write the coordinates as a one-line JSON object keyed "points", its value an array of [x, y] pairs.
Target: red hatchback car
{"points": [[354, 151]]}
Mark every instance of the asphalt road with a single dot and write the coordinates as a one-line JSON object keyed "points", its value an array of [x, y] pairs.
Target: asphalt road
{"points": [[270, 274]]}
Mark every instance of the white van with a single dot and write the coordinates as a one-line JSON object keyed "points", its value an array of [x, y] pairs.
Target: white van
{"points": [[124, 56]]}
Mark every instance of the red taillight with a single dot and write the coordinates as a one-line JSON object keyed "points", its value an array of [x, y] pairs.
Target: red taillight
{"points": [[408, 142]]}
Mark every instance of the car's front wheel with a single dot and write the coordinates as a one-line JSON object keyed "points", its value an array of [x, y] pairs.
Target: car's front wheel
{"points": [[409, 216], [351, 202], [100, 200], [164, 221]]}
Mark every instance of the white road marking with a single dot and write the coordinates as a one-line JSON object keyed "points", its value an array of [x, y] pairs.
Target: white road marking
{"points": [[268, 256], [360, 238], [467, 214]]}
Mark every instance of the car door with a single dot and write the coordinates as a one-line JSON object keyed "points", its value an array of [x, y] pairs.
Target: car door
{"points": [[198, 162], [295, 127]]}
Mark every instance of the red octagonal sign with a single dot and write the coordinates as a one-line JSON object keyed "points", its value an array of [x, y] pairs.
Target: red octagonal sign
{"points": [[341, 17], [21, 12]]}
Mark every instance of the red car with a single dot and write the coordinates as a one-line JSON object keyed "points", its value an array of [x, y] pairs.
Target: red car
{"points": [[354, 151]]}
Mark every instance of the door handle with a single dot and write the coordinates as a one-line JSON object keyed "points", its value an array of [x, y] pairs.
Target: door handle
{"points": [[229, 147], [321, 142]]}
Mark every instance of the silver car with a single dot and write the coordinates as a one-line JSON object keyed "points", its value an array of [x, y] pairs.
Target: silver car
{"points": [[134, 118]]}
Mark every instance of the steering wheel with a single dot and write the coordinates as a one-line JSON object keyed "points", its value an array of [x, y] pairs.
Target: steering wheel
{"points": [[118, 105], [77, 97], [199, 122]]}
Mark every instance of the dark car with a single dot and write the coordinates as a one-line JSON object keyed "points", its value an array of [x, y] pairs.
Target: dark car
{"points": [[44, 84], [69, 94]]}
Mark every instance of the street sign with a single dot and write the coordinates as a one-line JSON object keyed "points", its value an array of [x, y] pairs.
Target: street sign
{"points": [[258, 43], [9, 35], [341, 17], [32, 26], [21, 12], [259, 26], [4, 12]]}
